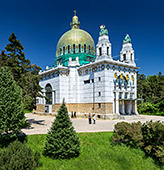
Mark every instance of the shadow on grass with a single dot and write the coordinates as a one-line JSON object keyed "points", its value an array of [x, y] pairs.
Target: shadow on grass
{"points": [[6, 139]]}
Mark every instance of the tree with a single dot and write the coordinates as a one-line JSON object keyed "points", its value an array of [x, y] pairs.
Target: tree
{"points": [[62, 141], [25, 74], [18, 156], [12, 117]]}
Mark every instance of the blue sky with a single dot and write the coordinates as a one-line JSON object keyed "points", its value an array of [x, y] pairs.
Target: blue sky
{"points": [[39, 24]]}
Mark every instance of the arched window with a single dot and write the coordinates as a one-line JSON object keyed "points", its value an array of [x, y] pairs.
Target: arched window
{"points": [[74, 48], [79, 48], [131, 57], [68, 49], [84, 48], [100, 51], [63, 50], [60, 51], [124, 57], [48, 89], [107, 50]]}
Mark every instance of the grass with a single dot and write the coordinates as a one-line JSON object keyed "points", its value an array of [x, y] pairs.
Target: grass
{"points": [[97, 153], [27, 111], [153, 114]]}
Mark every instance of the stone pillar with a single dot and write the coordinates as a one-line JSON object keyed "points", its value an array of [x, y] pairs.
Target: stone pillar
{"points": [[130, 107], [44, 100], [117, 103], [53, 97], [123, 107]]}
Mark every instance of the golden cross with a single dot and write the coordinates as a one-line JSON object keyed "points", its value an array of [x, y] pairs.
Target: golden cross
{"points": [[74, 12]]}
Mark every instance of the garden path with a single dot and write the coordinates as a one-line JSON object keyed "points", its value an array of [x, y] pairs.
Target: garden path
{"points": [[39, 124]]}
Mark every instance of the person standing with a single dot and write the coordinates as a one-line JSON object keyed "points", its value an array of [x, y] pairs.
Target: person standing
{"points": [[89, 117], [94, 119], [74, 114]]}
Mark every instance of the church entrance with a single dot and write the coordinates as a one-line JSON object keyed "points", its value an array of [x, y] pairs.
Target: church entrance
{"points": [[48, 106]]}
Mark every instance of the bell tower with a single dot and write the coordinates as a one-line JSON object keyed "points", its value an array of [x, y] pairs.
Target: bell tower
{"points": [[127, 52], [103, 48]]}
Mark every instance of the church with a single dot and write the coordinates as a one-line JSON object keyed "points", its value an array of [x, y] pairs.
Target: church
{"points": [[88, 78]]}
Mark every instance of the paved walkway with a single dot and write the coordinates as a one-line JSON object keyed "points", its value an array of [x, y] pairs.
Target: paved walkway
{"points": [[39, 124]]}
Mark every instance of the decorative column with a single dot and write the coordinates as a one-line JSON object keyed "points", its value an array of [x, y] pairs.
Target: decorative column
{"points": [[117, 103], [130, 107], [44, 100], [53, 97], [123, 107]]}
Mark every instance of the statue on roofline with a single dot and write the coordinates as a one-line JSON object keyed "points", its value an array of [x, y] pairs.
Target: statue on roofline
{"points": [[103, 30]]}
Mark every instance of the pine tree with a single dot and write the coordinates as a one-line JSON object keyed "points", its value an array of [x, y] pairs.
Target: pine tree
{"points": [[12, 117], [25, 74], [62, 141]]}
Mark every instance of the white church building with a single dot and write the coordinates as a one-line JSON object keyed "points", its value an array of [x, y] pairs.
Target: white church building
{"points": [[90, 80]]}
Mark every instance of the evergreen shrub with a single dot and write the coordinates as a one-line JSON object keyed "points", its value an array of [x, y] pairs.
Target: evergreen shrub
{"points": [[148, 136], [17, 156], [130, 134], [153, 138], [62, 142], [12, 118]]}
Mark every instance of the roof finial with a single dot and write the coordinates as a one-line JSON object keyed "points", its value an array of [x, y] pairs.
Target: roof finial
{"points": [[74, 12]]}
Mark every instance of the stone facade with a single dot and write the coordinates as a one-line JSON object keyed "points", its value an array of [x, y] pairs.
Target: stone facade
{"points": [[104, 86]]}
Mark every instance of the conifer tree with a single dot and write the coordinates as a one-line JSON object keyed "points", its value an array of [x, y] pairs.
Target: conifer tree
{"points": [[25, 74], [62, 141], [12, 117]]}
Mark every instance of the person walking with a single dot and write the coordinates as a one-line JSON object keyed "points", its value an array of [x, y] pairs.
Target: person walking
{"points": [[94, 119], [89, 117]]}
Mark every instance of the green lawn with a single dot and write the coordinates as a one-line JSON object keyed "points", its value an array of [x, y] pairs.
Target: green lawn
{"points": [[96, 154]]}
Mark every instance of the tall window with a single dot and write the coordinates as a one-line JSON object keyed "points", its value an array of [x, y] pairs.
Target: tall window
{"points": [[60, 51], [131, 57], [79, 48], [107, 50], [48, 94], [100, 51], [63, 50], [89, 48], [124, 57], [68, 49], [84, 48], [74, 48]]}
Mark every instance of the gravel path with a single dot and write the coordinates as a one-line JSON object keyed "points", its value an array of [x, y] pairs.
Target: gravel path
{"points": [[39, 124]]}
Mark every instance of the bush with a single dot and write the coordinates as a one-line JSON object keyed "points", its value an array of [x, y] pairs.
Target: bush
{"points": [[153, 137], [62, 141], [17, 156], [147, 108], [148, 136], [130, 134]]}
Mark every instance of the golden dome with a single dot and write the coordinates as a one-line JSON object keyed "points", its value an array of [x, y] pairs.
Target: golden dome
{"points": [[75, 36]]}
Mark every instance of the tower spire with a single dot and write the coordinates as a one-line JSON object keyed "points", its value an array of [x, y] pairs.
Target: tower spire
{"points": [[75, 23], [74, 12]]}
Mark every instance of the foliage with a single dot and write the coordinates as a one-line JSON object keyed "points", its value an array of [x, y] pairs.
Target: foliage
{"points": [[18, 156], [62, 141], [130, 134], [25, 74], [97, 153], [153, 137], [147, 108], [151, 91], [12, 118], [148, 136]]}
